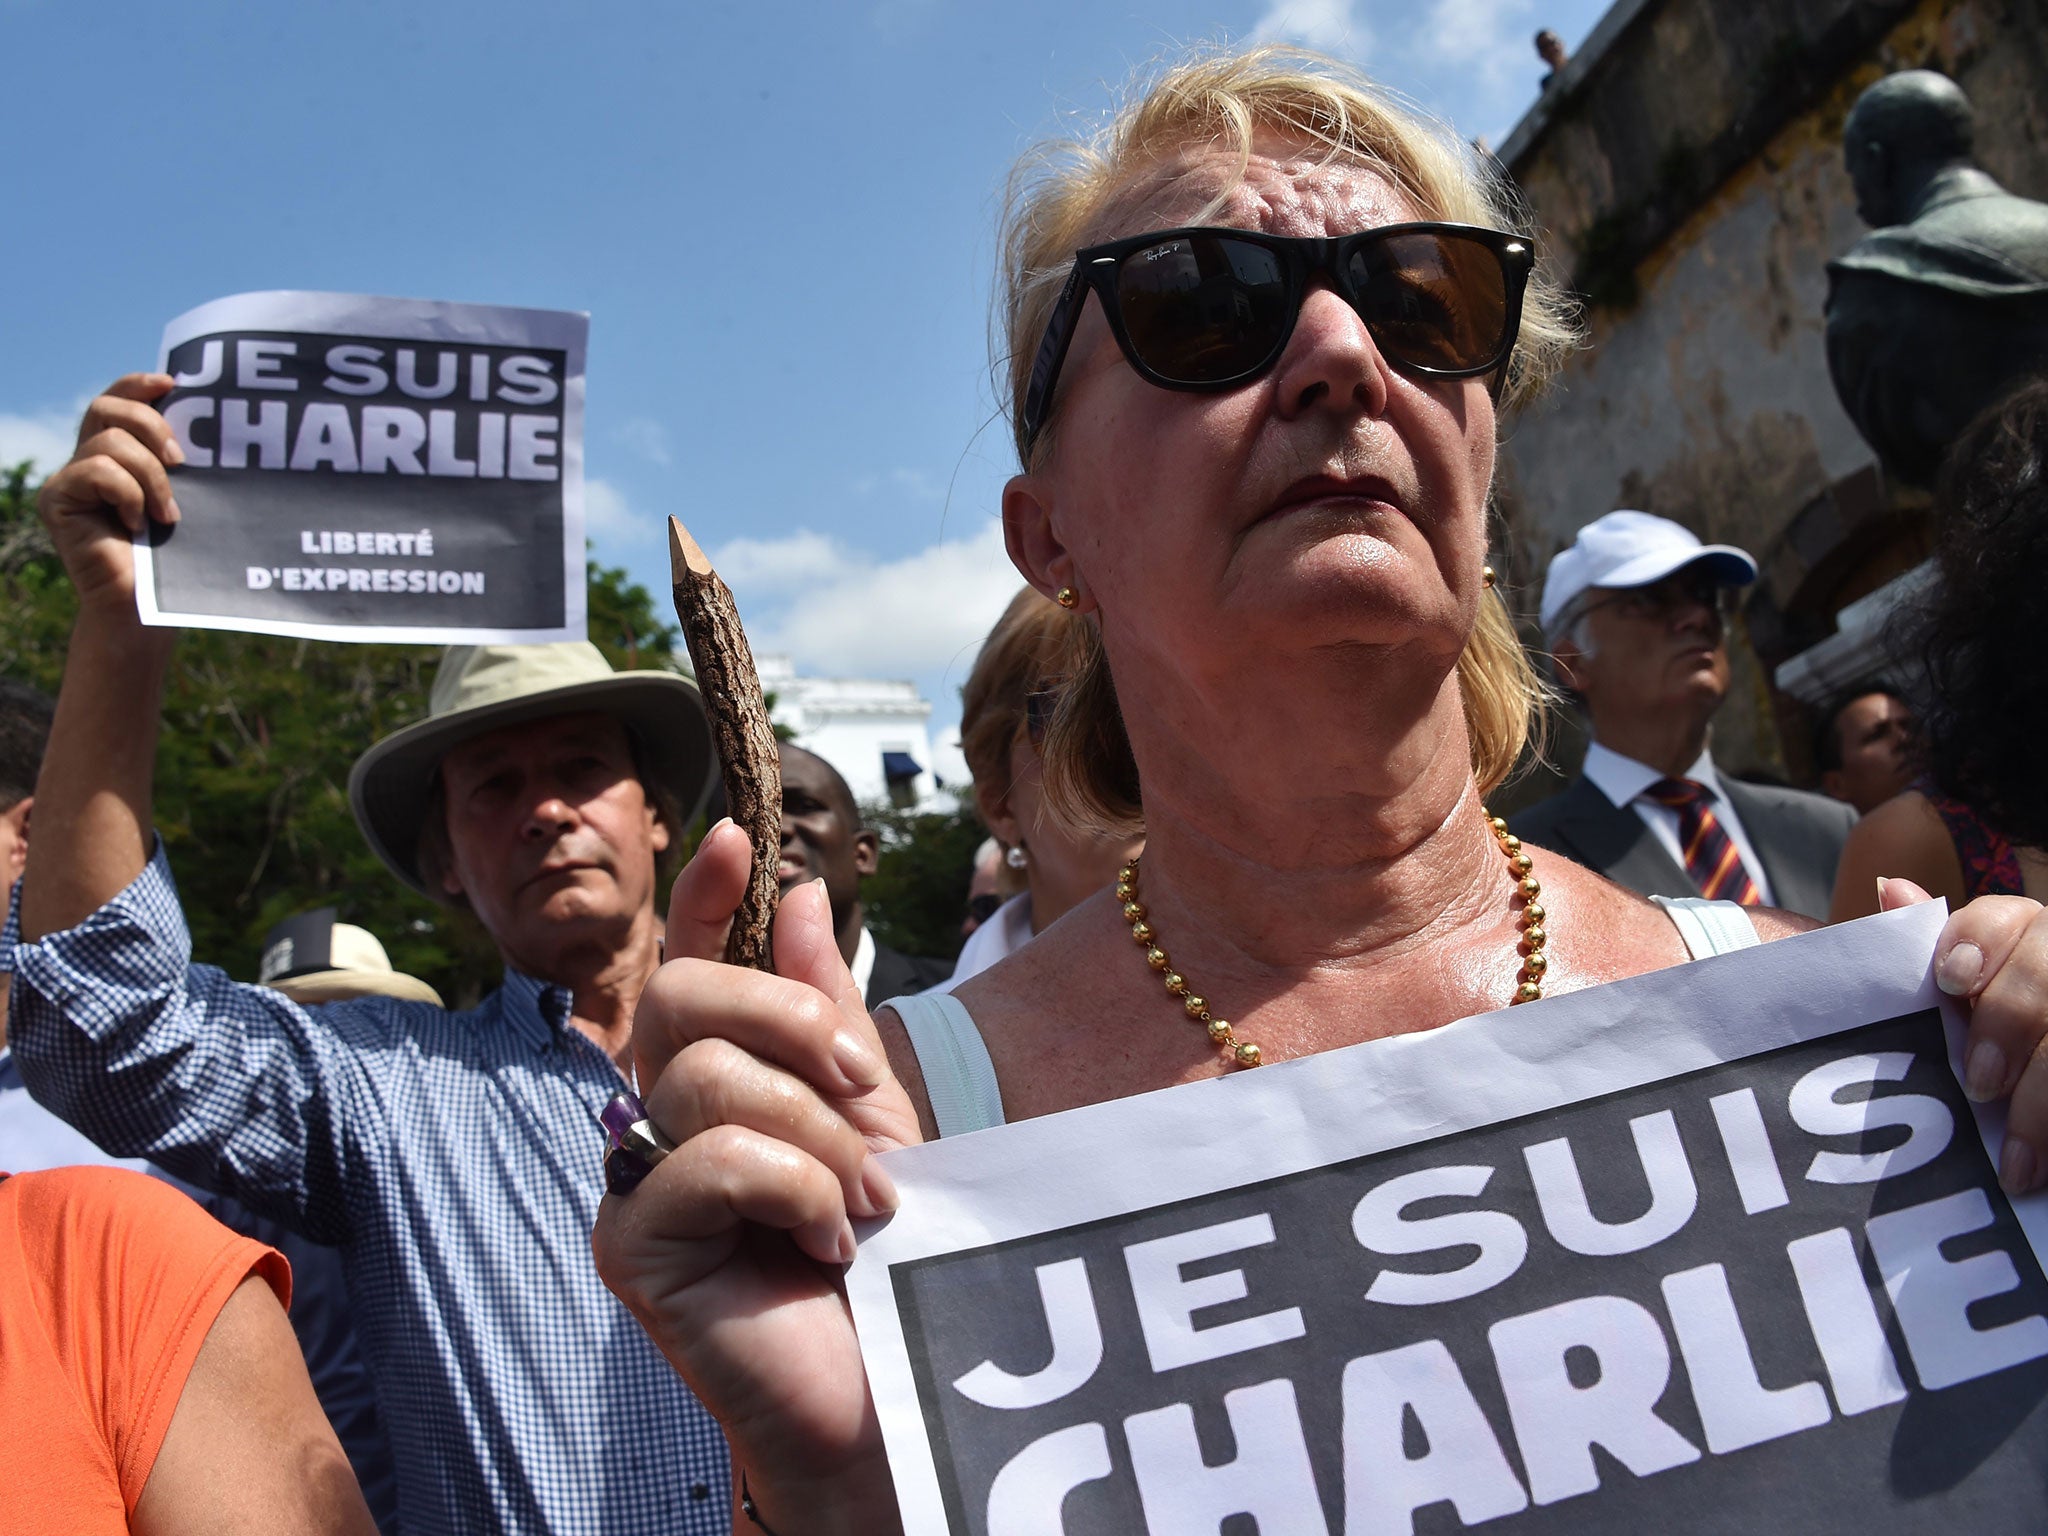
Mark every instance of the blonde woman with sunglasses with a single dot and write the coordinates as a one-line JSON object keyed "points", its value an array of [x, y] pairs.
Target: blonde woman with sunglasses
{"points": [[1005, 711], [1260, 332]]}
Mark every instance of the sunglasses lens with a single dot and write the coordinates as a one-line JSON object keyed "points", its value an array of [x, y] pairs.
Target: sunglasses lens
{"points": [[1432, 300], [1200, 309]]}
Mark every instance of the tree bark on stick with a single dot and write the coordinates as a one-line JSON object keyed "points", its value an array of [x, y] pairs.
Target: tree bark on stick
{"points": [[740, 729]]}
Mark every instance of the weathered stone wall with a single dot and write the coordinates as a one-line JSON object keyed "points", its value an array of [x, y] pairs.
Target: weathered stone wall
{"points": [[1692, 182]]}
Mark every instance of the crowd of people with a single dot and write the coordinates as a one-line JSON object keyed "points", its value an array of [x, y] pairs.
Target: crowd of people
{"points": [[1247, 709]]}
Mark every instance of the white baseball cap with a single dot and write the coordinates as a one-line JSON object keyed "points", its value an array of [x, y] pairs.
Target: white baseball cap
{"points": [[1632, 549]]}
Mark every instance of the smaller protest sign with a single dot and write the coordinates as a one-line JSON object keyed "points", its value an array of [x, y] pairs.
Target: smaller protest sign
{"points": [[1719, 1248], [368, 469]]}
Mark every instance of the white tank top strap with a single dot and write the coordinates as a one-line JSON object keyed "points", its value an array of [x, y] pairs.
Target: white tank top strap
{"points": [[1709, 927], [959, 1079]]}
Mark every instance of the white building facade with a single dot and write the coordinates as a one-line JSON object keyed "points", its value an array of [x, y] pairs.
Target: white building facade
{"points": [[876, 732]]}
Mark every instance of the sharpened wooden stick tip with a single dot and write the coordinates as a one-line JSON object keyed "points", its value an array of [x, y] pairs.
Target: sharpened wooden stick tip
{"points": [[684, 553]]}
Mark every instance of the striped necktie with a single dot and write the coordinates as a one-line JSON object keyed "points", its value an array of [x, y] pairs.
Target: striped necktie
{"points": [[1711, 857]]}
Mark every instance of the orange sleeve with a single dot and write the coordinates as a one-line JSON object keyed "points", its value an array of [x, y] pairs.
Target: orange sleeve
{"points": [[130, 1274]]}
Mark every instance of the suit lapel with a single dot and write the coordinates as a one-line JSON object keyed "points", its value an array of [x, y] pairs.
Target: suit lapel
{"points": [[888, 978], [1613, 840], [1782, 843]]}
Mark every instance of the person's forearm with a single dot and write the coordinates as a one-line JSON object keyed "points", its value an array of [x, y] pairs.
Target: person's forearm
{"points": [[93, 825], [795, 1505]]}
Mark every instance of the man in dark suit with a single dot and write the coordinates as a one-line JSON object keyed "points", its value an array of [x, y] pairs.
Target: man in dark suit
{"points": [[823, 838], [1634, 613]]}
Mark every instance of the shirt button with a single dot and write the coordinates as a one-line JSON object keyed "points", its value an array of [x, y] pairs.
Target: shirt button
{"points": [[700, 1490]]}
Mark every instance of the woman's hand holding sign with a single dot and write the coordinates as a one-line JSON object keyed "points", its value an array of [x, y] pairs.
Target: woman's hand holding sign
{"points": [[777, 1092], [1994, 954]]}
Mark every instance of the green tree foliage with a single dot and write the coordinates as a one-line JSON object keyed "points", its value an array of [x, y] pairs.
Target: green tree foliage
{"points": [[917, 896], [259, 734]]}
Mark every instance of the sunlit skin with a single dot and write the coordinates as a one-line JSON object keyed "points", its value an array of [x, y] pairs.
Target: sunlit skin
{"points": [[1658, 671], [553, 845]]}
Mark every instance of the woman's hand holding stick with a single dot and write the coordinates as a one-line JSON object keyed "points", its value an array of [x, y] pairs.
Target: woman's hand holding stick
{"points": [[773, 1085]]}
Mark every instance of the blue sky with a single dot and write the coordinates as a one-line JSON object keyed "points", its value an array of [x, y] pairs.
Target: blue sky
{"points": [[780, 217]]}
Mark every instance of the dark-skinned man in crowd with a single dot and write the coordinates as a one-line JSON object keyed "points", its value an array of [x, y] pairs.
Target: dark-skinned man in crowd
{"points": [[824, 837]]}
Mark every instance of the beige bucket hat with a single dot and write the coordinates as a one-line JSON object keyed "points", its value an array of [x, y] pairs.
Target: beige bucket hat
{"points": [[312, 959], [483, 687]]}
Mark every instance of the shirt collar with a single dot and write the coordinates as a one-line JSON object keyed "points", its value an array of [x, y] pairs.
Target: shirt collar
{"points": [[863, 961], [534, 1009], [1623, 779]]}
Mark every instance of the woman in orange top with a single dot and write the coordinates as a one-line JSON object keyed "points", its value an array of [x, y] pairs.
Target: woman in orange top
{"points": [[149, 1380]]}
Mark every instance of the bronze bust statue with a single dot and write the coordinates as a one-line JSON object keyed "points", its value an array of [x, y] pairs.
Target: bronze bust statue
{"points": [[1943, 307]]}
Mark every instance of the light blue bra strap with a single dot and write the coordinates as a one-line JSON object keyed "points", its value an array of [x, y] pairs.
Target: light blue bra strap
{"points": [[1709, 927], [959, 1079]]}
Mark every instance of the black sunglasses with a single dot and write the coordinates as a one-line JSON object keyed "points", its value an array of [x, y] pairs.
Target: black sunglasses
{"points": [[1206, 309]]}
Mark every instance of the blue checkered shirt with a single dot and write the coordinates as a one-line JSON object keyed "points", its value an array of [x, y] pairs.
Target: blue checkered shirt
{"points": [[454, 1158]]}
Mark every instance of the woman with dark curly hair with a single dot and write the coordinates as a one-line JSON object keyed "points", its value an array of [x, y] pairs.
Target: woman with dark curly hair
{"points": [[1976, 823]]}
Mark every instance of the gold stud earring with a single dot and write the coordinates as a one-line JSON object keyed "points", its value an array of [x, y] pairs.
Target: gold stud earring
{"points": [[1067, 597], [1486, 576]]}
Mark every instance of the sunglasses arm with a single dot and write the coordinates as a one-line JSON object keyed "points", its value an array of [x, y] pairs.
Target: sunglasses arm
{"points": [[1052, 353]]}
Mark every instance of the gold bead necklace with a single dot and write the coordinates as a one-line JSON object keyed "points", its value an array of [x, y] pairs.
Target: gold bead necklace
{"points": [[1243, 1053]]}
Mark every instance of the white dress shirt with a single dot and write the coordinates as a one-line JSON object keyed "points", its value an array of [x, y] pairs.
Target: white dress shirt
{"points": [[1007, 930], [1623, 781], [863, 961]]}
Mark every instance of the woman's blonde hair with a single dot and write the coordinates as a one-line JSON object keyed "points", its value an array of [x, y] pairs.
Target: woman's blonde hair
{"points": [[1032, 648], [1060, 197]]}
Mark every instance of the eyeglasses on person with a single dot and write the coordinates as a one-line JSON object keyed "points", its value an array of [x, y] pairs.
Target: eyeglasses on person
{"points": [[1208, 309], [1658, 601]]}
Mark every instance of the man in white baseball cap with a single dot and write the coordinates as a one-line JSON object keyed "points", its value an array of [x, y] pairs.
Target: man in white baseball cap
{"points": [[1634, 613]]}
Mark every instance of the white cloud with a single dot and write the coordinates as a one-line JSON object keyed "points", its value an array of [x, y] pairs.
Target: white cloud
{"points": [[608, 515], [1331, 25], [839, 612], [899, 484], [787, 564], [1492, 39], [646, 437], [46, 437]]}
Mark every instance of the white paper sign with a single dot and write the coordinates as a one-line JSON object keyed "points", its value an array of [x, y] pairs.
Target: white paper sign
{"points": [[1716, 1248], [372, 469]]}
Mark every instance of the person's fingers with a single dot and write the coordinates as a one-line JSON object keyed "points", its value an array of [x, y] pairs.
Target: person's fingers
{"points": [[1895, 891], [731, 1174], [99, 480], [807, 950], [142, 386], [146, 468], [1978, 939], [1993, 953], [136, 417], [2023, 1159], [706, 894], [713, 1082], [777, 1018]]}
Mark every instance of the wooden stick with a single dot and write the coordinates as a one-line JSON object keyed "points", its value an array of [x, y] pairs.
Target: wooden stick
{"points": [[740, 729]]}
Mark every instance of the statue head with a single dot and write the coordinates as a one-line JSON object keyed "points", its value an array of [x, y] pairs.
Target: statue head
{"points": [[1901, 132]]}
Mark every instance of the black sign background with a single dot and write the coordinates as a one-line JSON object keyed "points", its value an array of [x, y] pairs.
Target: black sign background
{"points": [[1972, 1457], [509, 530]]}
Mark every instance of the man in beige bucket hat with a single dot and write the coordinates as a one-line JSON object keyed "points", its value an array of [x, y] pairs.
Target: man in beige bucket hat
{"points": [[453, 1157]]}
